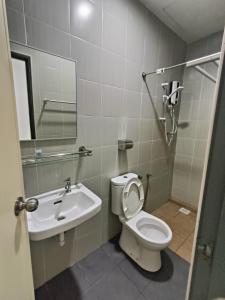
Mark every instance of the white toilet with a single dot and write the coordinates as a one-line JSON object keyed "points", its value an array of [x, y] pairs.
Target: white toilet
{"points": [[143, 236]]}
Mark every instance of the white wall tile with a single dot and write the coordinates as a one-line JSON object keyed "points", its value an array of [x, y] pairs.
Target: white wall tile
{"points": [[146, 129], [112, 69], [109, 160], [88, 28], [114, 31], [88, 59], [191, 142], [112, 101], [132, 128], [89, 128], [111, 131], [132, 102], [145, 152], [88, 236], [135, 34], [159, 149], [133, 157], [185, 146], [118, 8], [90, 166], [89, 98], [200, 149], [133, 78], [148, 109]]}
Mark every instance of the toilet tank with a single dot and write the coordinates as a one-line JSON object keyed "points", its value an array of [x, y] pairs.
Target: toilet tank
{"points": [[117, 185]]}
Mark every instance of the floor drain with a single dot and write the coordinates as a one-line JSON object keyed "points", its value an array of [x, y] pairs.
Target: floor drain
{"points": [[61, 218], [184, 211]]}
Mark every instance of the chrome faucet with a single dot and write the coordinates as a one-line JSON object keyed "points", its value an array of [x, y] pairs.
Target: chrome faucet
{"points": [[67, 185]]}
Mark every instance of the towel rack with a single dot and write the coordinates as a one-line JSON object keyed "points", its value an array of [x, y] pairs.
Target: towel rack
{"points": [[46, 100]]}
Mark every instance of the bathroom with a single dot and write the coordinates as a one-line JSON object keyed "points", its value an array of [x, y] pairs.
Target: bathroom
{"points": [[111, 64]]}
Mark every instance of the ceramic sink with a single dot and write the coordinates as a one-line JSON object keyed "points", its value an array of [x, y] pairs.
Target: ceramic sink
{"points": [[59, 211]]}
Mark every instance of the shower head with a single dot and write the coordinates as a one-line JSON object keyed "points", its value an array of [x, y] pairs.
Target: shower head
{"points": [[172, 98], [177, 90]]}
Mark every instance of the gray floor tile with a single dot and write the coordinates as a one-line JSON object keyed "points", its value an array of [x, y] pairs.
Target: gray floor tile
{"points": [[115, 286], [113, 250], [95, 266], [42, 293], [135, 274], [63, 286], [164, 291], [141, 297], [68, 285], [81, 279], [108, 274], [171, 281], [180, 265], [89, 296]]}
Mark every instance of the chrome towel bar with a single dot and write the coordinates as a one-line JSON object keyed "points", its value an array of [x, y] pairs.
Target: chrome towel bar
{"points": [[45, 101]]}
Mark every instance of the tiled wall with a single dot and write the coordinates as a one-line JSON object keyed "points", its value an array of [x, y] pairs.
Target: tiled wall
{"points": [[118, 41], [195, 112]]}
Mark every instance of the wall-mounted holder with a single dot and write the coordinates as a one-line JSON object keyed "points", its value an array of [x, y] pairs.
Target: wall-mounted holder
{"points": [[47, 158], [125, 144]]}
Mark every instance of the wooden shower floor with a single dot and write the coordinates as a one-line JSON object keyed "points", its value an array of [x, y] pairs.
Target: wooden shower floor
{"points": [[182, 226]]}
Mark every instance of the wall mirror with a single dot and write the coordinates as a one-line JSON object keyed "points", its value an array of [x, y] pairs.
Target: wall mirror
{"points": [[45, 89]]}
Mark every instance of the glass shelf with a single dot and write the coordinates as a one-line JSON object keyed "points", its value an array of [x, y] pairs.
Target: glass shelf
{"points": [[58, 157]]}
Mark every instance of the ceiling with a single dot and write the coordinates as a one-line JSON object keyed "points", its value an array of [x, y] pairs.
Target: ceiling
{"points": [[190, 19]]}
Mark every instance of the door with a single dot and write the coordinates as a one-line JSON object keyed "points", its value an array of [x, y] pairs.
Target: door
{"points": [[15, 263], [207, 276]]}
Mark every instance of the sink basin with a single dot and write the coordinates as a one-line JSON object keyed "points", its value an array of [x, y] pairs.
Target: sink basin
{"points": [[58, 212]]}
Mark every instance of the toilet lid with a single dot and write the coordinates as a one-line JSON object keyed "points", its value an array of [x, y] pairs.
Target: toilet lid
{"points": [[132, 198]]}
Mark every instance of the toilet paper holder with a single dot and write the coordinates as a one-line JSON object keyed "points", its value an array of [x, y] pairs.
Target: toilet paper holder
{"points": [[125, 144]]}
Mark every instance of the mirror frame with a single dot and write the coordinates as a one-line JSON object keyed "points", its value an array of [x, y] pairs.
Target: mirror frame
{"points": [[27, 61]]}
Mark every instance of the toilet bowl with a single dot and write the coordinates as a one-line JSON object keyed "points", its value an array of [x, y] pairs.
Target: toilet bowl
{"points": [[143, 235]]}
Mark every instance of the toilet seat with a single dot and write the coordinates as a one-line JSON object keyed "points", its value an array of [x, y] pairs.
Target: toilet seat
{"points": [[132, 198], [150, 229]]}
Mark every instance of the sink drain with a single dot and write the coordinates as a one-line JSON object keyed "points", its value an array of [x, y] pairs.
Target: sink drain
{"points": [[61, 218]]}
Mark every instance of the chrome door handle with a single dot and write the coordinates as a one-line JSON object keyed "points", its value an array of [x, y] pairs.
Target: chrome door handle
{"points": [[30, 205]]}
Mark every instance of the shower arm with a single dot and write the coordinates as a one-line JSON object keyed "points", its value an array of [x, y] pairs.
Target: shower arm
{"points": [[191, 63]]}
